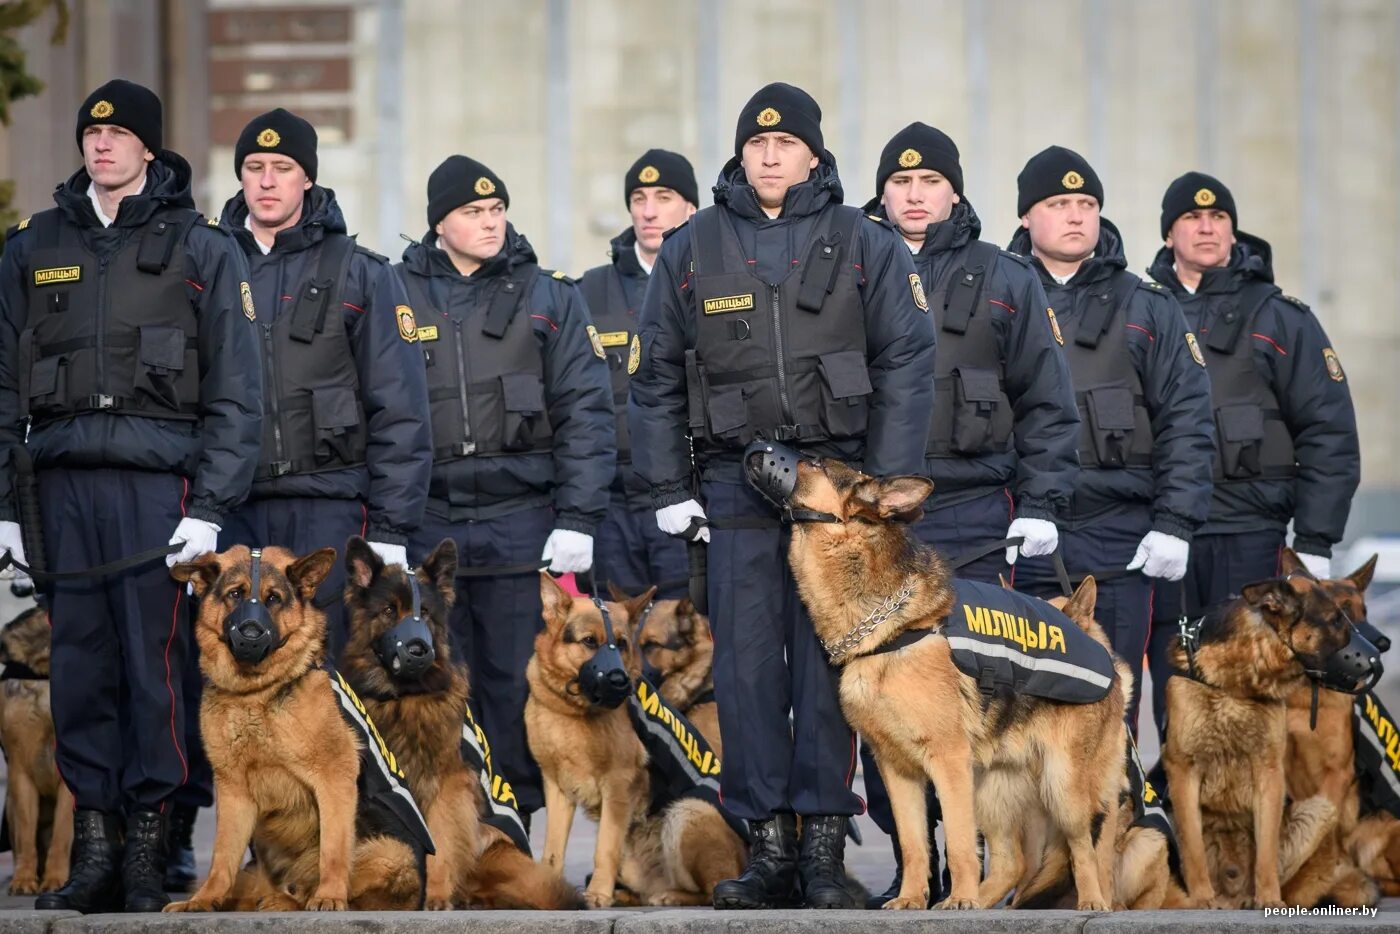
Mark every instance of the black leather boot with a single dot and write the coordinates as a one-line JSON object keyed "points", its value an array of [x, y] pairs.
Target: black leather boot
{"points": [[935, 885], [94, 877], [180, 871], [822, 865], [143, 867], [769, 880]]}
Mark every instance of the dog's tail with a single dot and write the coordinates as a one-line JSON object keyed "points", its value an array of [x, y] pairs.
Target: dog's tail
{"points": [[1304, 825], [507, 878]]}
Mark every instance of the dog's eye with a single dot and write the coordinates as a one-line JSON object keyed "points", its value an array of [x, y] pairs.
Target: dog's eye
{"points": [[589, 641], [236, 594], [273, 599]]}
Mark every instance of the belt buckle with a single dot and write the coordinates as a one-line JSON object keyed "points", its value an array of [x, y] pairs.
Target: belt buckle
{"points": [[102, 401], [280, 468], [464, 448], [786, 433]]}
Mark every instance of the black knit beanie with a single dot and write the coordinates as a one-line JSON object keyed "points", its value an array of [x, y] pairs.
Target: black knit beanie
{"points": [[663, 169], [458, 181], [125, 104], [278, 131], [919, 146], [1055, 171], [1193, 191], [781, 108]]}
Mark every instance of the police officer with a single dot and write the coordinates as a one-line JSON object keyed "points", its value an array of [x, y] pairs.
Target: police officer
{"points": [[777, 312], [1143, 396], [660, 192], [1003, 409], [345, 442], [126, 346], [1286, 445], [523, 437]]}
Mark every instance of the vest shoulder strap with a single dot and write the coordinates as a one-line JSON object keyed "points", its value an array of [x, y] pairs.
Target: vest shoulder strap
{"points": [[961, 297], [1103, 307], [45, 227], [506, 297], [159, 237], [825, 257], [1236, 312], [309, 315], [705, 247]]}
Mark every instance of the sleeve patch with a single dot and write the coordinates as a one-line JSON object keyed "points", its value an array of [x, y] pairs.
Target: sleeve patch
{"points": [[1195, 348], [408, 328], [916, 286], [597, 341], [247, 295], [634, 355], [1334, 366]]}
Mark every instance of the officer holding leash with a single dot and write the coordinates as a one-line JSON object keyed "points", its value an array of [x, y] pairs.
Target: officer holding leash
{"points": [[127, 347], [780, 313]]}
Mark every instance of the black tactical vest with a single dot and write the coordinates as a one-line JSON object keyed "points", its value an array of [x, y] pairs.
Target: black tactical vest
{"points": [[971, 413], [486, 382], [1114, 427], [1251, 439], [785, 359], [607, 305], [314, 419], [109, 335]]}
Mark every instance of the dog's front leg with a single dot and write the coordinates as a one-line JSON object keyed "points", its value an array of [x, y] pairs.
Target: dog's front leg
{"points": [[1268, 824], [60, 842], [558, 821], [607, 853], [1185, 784], [22, 799], [911, 824], [951, 772], [336, 798], [235, 816]]}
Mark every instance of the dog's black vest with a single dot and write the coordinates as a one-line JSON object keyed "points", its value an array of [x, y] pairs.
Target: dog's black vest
{"points": [[607, 305], [1377, 740], [500, 805], [786, 359], [110, 334]]}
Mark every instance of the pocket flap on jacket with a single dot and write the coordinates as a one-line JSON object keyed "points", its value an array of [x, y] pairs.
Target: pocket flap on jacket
{"points": [[845, 374], [43, 376], [523, 393], [727, 409], [1240, 422], [335, 407], [163, 347], [1111, 408]]}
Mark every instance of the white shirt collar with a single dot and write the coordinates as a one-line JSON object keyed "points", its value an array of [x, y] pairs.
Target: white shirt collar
{"points": [[97, 203], [248, 223], [637, 248], [1189, 290]]}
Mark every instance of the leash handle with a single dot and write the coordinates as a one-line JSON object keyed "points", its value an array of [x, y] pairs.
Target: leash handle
{"points": [[102, 570]]}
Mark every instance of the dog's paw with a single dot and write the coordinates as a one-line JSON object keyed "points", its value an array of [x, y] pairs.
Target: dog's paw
{"points": [[317, 903], [1093, 906], [593, 899], [278, 901], [27, 884], [52, 883], [905, 904], [193, 904], [1254, 904], [951, 904], [437, 903]]}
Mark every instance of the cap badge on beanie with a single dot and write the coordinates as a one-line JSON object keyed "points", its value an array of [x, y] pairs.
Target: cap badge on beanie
{"points": [[269, 138], [1072, 180], [910, 158], [769, 117], [648, 175], [484, 186], [1205, 197], [102, 110]]}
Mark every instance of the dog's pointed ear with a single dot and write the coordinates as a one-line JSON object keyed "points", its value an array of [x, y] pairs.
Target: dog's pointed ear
{"points": [[362, 565], [899, 499], [685, 616], [617, 594], [1085, 598], [307, 573], [1290, 563], [555, 602], [1273, 599], [200, 574], [1361, 577], [441, 567], [637, 605]]}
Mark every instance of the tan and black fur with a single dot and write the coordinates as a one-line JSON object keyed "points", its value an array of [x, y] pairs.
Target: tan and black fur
{"points": [[475, 864], [674, 638], [38, 803], [927, 721], [285, 763], [591, 757]]}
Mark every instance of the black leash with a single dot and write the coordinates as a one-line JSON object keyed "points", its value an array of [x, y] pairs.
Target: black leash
{"points": [[102, 570], [502, 570]]}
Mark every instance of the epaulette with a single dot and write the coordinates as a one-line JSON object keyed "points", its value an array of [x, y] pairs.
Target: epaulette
{"points": [[882, 221], [377, 257], [1150, 285], [681, 226], [22, 225], [1294, 301], [1017, 257], [212, 220], [558, 274]]}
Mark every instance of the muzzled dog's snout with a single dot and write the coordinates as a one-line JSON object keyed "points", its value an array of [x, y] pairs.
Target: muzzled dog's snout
{"points": [[603, 680], [406, 649], [249, 630], [1353, 668]]}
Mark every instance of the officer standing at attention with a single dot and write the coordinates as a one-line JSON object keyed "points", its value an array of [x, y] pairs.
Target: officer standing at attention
{"points": [[1004, 417], [523, 436], [345, 442], [777, 313], [1286, 444], [126, 349], [1145, 441], [660, 192]]}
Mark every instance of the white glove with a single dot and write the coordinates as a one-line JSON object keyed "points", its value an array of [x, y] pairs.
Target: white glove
{"points": [[1317, 566], [1041, 538], [675, 520], [568, 552], [11, 541], [200, 538], [390, 554], [1161, 555]]}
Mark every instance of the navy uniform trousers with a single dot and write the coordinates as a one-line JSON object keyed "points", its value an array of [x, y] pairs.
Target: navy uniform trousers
{"points": [[768, 663], [121, 643], [632, 552], [493, 627]]}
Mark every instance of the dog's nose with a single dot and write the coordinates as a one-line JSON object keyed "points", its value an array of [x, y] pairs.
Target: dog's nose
{"points": [[619, 679], [251, 630], [417, 648]]}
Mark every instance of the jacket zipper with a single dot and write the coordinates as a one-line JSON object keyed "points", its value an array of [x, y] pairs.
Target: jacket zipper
{"points": [[273, 392], [102, 326], [462, 381], [778, 345]]}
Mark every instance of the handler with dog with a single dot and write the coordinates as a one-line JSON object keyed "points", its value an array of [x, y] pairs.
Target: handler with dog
{"points": [[779, 313]]}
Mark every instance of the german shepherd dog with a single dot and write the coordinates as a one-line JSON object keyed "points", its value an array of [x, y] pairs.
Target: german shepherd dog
{"points": [[675, 642], [285, 762], [39, 806], [1227, 734], [926, 720], [420, 710], [591, 756]]}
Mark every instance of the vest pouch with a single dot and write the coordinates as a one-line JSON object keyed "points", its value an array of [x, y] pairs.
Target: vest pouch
{"points": [[335, 416], [845, 410], [1240, 439], [981, 413], [1110, 424], [48, 383], [525, 426], [727, 414], [160, 359]]}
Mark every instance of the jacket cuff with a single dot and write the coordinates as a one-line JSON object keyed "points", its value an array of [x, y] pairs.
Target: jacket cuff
{"points": [[205, 514], [8, 512], [1031, 507], [573, 522], [1171, 524], [385, 536], [669, 494], [1306, 545]]}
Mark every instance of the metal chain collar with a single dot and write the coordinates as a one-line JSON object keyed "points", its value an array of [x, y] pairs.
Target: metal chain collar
{"points": [[880, 615]]}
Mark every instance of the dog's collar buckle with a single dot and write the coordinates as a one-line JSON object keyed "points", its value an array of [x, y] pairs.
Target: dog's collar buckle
{"points": [[839, 649], [1190, 632]]}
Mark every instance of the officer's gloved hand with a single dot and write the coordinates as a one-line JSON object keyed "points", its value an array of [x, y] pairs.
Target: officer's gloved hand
{"points": [[1161, 555], [676, 520], [11, 541], [390, 554], [1317, 566], [568, 552], [200, 538], [1041, 538]]}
